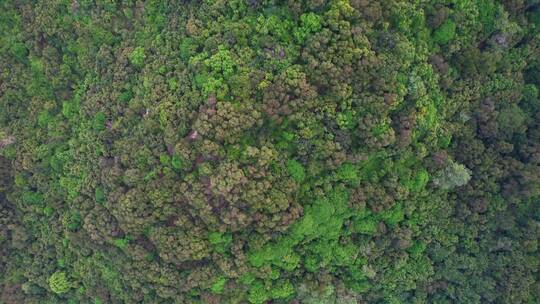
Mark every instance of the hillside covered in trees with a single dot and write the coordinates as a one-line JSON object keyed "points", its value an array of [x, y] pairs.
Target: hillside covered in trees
{"points": [[270, 151]]}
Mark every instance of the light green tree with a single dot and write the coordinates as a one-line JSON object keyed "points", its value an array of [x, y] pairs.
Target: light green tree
{"points": [[454, 175]]}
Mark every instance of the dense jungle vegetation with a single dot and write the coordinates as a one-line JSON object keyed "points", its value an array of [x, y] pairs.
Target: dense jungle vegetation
{"points": [[270, 151]]}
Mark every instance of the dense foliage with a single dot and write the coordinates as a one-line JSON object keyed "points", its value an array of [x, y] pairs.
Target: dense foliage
{"points": [[269, 151]]}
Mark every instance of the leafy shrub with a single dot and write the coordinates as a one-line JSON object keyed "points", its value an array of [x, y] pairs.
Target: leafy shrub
{"points": [[121, 243], [218, 285], [19, 50], [32, 198], [220, 241], [296, 170], [187, 48], [125, 96], [99, 195], [420, 181], [73, 222], [445, 33], [282, 290], [257, 293], [393, 215], [221, 63], [177, 162], [137, 57], [366, 225], [348, 172], [99, 122], [70, 109], [309, 23], [59, 283]]}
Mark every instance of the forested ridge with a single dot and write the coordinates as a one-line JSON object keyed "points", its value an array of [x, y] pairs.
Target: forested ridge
{"points": [[269, 151]]}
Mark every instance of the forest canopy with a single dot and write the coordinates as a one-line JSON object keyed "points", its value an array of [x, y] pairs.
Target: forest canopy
{"points": [[270, 151]]}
